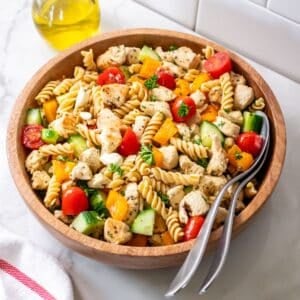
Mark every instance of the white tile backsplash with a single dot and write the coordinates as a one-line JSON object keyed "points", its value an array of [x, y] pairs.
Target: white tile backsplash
{"points": [[289, 9]]}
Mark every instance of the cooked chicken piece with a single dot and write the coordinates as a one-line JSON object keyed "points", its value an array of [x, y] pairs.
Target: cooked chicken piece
{"points": [[228, 142], [175, 195], [85, 115], [170, 157], [237, 79], [164, 55], [195, 130], [66, 184], [114, 94], [163, 94], [40, 180], [239, 206], [215, 94], [196, 119], [172, 68], [221, 217], [111, 158], [227, 127], [111, 139], [81, 171], [91, 157], [151, 107], [184, 131], [82, 99], [116, 232], [64, 125], [107, 119], [250, 190], [235, 116], [199, 98], [99, 181], [114, 56], [186, 58], [132, 55], [243, 96], [66, 219], [35, 161], [218, 162], [192, 204], [139, 125], [189, 167], [211, 185], [133, 200]]}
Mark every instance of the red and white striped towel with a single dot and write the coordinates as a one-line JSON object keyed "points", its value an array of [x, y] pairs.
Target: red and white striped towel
{"points": [[27, 272]]}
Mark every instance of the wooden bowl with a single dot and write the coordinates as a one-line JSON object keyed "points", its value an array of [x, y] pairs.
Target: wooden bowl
{"points": [[127, 256]]}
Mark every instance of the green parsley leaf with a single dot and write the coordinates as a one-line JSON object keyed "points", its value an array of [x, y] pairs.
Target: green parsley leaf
{"points": [[221, 124], [115, 168], [83, 185], [183, 110], [147, 155], [238, 155], [101, 209], [151, 83], [197, 140], [173, 47], [164, 198], [153, 98], [203, 162]]}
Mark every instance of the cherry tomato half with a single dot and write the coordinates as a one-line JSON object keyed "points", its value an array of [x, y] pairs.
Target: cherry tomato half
{"points": [[74, 201], [130, 143], [166, 79], [218, 64], [32, 136], [183, 109], [250, 142], [111, 75], [193, 227]]}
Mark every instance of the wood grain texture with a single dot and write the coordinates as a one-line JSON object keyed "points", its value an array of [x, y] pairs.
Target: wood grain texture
{"points": [[127, 256]]}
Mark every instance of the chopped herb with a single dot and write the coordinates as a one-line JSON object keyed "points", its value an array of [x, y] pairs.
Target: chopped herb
{"points": [[226, 110], [83, 185], [151, 83], [101, 209], [238, 155], [187, 189], [122, 193], [173, 47], [183, 110], [115, 168], [203, 162], [62, 158], [147, 155], [153, 98], [221, 124], [197, 141], [164, 198]]}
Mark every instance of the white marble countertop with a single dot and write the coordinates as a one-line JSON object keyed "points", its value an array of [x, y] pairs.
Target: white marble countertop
{"points": [[264, 260]]}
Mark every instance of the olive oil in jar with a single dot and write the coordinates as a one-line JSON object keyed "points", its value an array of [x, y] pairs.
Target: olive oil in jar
{"points": [[64, 23]]}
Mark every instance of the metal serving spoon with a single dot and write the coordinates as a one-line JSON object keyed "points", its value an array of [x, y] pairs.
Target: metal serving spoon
{"points": [[195, 255]]}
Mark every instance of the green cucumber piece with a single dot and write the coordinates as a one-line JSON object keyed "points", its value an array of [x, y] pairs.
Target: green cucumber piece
{"points": [[148, 52], [49, 136], [88, 222], [144, 222], [78, 142], [97, 202], [126, 72], [207, 130], [33, 116], [252, 122]]}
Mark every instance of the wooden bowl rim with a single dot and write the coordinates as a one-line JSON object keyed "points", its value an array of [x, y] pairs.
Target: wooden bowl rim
{"points": [[32, 201]]}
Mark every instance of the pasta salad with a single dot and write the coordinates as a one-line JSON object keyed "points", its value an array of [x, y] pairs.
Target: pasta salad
{"points": [[134, 148]]}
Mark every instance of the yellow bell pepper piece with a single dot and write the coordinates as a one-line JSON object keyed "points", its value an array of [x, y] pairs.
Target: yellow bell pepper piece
{"points": [[149, 67], [62, 169], [158, 157], [136, 78], [242, 161], [201, 78], [182, 87], [50, 108], [117, 205], [166, 131]]}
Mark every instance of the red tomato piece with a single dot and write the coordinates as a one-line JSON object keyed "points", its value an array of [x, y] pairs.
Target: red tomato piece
{"points": [[250, 142], [166, 79], [193, 227], [74, 201], [218, 64], [32, 136], [130, 143], [111, 75], [183, 109]]}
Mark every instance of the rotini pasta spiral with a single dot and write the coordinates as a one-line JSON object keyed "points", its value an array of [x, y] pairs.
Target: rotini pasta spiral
{"points": [[90, 76], [63, 87], [131, 116], [47, 92], [194, 151], [127, 107], [141, 166], [227, 92], [174, 227], [134, 68], [51, 199], [58, 149], [130, 170], [91, 135], [191, 75], [159, 186], [208, 85], [66, 102], [152, 198], [78, 73], [88, 60], [97, 100], [258, 104], [175, 177], [138, 91], [152, 127], [208, 51], [116, 182]]}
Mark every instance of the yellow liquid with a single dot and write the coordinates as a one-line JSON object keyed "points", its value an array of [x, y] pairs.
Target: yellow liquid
{"points": [[64, 23]]}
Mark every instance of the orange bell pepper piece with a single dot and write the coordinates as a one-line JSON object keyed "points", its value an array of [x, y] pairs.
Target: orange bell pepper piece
{"points": [[166, 131], [159, 224], [158, 157], [117, 205], [239, 159], [201, 78], [149, 67], [138, 240], [62, 169], [182, 87], [210, 113], [50, 108], [167, 238]]}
